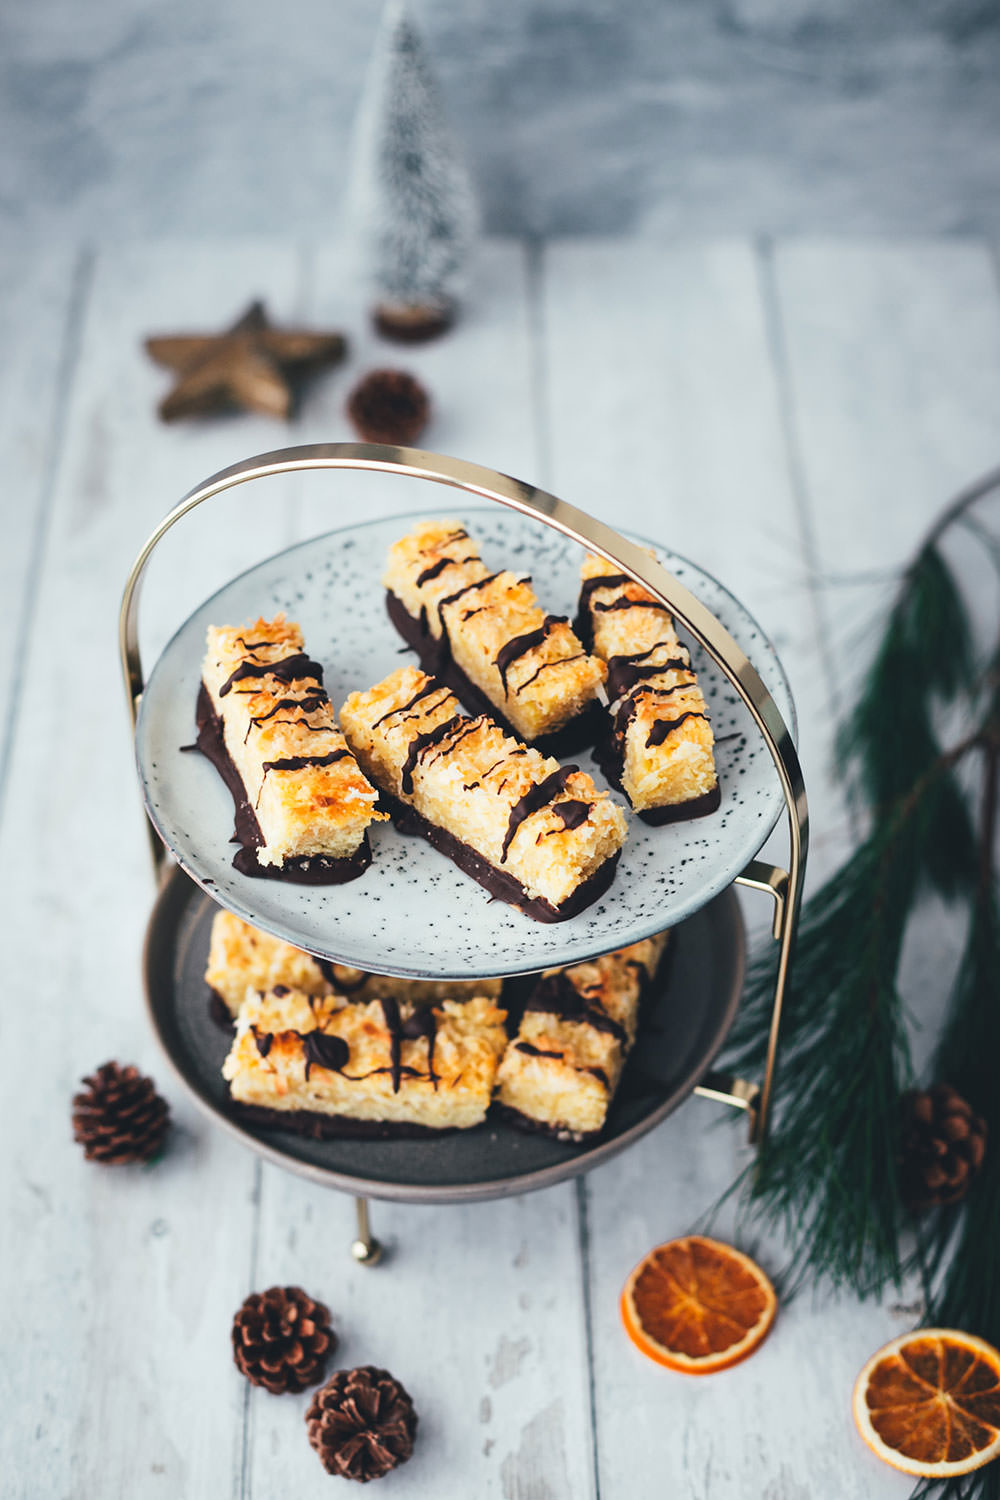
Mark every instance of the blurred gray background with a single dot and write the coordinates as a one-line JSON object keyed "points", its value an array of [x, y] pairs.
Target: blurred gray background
{"points": [[689, 116]]}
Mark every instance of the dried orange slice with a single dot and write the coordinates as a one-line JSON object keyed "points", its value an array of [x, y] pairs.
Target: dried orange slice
{"points": [[697, 1305], [929, 1402]]}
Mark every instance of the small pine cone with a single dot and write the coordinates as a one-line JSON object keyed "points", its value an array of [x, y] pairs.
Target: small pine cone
{"points": [[282, 1339], [389, 406], [361, 1423], [120, 1118], [942, 1147]]}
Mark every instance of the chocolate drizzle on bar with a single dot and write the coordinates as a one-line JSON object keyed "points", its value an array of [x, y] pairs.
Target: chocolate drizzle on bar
{"points": [[420, 1024], [663, 727], [436, 569], [535, 798], [307, 704], [556, 995], [625, 672], [315, 869], [404, 708], [468, 588], [263, 1039], [631, 680], [323, 1050], [423, 742], [520, 645], [621, 603], [340, 983], [435, 658], [299, 762], [289, 669], [571, 814], [531, 1050]]}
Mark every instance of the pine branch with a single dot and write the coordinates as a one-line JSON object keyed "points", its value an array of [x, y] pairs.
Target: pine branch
{"points": [[889, 741], [828, 1172], [968, 1293], [925, 660]]}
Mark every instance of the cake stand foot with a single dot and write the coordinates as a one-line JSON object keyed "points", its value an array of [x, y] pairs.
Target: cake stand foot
{"points": [[367, 1250]]}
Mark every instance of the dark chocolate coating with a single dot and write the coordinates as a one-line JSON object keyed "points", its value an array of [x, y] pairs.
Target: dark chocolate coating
{"points": [[325, 1127], [500, 883], [309, 870]]}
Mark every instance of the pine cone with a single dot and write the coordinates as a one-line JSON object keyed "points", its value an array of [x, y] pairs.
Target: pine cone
{"points": [[120, 1118], [282, 1339], [389, 406], [942, 1147], [361, 1423]]}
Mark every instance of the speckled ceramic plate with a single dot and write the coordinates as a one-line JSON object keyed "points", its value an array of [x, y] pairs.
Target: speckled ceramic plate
{"points": [[413, 913], [685, 1019]]}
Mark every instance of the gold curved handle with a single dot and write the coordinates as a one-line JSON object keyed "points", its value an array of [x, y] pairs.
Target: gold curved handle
{"points": [[580, 527]]}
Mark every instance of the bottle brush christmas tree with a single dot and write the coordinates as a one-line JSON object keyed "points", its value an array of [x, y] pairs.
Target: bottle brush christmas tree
{"points": [[412, 197]]}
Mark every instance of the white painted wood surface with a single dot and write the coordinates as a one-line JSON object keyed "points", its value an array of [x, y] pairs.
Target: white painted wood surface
{"points": [[783, 416]]}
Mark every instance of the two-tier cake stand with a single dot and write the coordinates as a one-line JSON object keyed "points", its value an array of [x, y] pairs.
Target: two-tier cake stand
{"points": [[412, 913]]}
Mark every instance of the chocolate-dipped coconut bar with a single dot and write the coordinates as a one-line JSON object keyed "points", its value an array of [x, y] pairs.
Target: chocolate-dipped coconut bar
{"points": [[534, 833], [266, 722], [559, 1074], [321, 1065], [487, 637], [241, 958], [658, 745]]}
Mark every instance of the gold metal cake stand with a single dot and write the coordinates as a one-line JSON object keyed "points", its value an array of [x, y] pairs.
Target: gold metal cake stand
{"points": [[783, 885]]}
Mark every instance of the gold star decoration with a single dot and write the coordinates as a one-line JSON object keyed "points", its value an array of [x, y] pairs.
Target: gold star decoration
{"points": [[252, 365]]}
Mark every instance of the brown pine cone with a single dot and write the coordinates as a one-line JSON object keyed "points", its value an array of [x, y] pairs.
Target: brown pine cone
{"points": [[282, 1339], [389, 406], [361, 1423], [120, 1118], [942, 1147]]}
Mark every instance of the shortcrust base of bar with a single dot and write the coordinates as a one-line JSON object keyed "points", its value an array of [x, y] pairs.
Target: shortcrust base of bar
{"points": [[437, 661], [315, 869], [498, 882], [609, 762], [531, 1126], [320, 1127]]}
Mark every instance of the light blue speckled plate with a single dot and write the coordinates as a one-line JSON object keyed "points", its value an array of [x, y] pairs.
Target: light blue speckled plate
{"points": [[413, 913]]}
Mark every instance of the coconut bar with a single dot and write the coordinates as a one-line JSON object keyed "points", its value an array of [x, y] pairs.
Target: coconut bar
{"points": [[320, 1065], [241, 958], [559, 1074], [486, 635], [266, 722], [658, 746], [534, 833]]}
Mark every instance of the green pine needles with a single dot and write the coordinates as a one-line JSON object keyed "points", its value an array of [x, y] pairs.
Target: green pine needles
{"points": [[959, 1248], [829, 1174]]}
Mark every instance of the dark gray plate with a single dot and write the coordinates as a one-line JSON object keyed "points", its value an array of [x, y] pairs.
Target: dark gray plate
{"points": [[686, 1019]]}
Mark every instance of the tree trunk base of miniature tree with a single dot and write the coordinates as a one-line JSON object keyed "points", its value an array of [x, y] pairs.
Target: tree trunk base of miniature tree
{"points": [[413, 322]]}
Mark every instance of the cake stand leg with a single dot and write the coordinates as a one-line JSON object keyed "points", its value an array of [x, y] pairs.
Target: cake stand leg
{"points": [[785, 889], [367, 1250]]}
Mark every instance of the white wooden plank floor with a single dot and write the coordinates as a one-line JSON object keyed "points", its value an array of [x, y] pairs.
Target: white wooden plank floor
{"points": [[786, 415]]}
